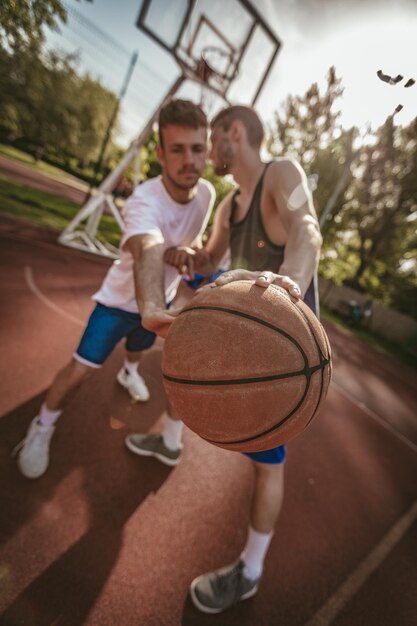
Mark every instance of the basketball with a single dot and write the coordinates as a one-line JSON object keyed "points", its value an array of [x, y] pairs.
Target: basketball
{"points": [[246, 368]]}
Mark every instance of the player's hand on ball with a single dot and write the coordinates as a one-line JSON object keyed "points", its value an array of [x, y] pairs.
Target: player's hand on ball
{"points": [[159, 320], [262, 279]]}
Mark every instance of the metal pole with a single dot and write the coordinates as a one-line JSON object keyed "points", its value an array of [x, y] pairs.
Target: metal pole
{"points": [[110, 125]]}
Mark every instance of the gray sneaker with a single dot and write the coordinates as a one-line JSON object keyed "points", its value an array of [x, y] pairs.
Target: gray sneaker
{"points": [[219, 590], [153, 445]]}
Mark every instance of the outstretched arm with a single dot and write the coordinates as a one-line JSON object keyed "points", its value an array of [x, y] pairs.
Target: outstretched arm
{"points": [[148, 268]]}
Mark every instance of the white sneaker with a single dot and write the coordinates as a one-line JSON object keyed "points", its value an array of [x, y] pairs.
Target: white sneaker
{"points": [[134, 384], [33, 451]]}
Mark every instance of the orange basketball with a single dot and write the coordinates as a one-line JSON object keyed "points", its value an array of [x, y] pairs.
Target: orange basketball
{"points": [[246, 368]]}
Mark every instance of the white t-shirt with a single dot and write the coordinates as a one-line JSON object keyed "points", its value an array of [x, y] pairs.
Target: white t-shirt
{"points": [[151, 210]]}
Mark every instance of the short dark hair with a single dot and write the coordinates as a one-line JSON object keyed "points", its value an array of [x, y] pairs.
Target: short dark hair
{"points": [[249, 118], [181, 113]]}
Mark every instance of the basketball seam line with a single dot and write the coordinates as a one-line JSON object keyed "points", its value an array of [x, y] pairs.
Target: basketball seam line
{"points": [[307, 372], [272, 428]]}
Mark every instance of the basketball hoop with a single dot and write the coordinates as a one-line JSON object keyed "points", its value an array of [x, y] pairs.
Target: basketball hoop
{"points": [[210, 74], [208, 51], [216, 65], [204, 71]]}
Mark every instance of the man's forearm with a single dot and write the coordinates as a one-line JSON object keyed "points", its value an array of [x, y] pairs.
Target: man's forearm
{"points": [[149, 279]]}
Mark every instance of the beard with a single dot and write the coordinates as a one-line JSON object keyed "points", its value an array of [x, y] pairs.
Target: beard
{"points": [[222, 169], [225, 159], [182, 184]]}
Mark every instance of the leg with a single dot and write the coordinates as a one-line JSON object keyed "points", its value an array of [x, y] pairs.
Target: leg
{"points": [[65, 382], [33, 451], [216, 591], [267, 496], [138, 340], [104, 329], [165, 446]]}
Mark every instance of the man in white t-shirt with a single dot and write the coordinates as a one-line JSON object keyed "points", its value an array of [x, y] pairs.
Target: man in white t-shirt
{"points": [[171, 210]]}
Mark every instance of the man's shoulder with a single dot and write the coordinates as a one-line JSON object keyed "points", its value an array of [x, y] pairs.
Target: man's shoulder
{"points": [[283, 164], [283, 171]]}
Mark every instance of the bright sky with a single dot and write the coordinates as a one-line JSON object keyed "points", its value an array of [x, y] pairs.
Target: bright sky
{"points": [[359, 37]]}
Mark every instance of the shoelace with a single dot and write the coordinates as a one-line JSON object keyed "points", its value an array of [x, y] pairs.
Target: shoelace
{"points": [[230, 582]]}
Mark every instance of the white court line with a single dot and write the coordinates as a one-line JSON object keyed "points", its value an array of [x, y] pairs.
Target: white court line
{"points": [[34, 289], [375, 416], [332, 607]]}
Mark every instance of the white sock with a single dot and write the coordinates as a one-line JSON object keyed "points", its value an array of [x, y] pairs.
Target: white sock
{"points": [[131, 366], [254, 553], [47, 417], [172, 432]]}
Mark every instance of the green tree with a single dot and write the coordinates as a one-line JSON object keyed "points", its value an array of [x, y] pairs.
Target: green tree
{"points": [[381, 217], [22, 22], [306, 124], [44, 100], [307, 128]]}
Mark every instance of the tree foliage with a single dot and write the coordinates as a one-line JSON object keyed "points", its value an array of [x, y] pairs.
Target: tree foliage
{"points": [[22, 22], [370, 239], [48, 104]]}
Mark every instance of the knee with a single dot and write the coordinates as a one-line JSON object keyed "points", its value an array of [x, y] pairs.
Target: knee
{"points": [[78, 372], [269, 472]]}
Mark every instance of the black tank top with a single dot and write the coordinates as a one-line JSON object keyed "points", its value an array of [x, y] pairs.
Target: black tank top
{"points": [[250, 246]]}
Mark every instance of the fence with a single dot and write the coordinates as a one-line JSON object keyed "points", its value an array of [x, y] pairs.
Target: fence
{"points": [[386, 322]]}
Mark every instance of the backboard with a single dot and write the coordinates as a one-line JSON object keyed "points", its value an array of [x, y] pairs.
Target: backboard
{"points": [[215, 42]]}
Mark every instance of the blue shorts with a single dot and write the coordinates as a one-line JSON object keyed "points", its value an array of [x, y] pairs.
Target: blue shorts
{"points": [[105, 328], [198, 279]]}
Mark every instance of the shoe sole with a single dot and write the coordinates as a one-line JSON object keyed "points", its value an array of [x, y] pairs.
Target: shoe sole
{"points": [[16, 454], [160, 457], [30, 476], [206, 609], [126, 386]]}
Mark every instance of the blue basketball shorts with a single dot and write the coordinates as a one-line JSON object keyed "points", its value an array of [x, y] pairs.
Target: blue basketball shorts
{"points": [[105, 328], [198, 279]]}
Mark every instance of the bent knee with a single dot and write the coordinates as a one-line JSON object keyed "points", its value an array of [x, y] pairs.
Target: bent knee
{"points": [[79, 371]]}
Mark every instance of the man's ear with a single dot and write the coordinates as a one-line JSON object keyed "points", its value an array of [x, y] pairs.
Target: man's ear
{"points": [[236, 130]]}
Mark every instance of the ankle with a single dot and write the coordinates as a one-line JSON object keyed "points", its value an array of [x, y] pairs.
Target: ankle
{"points": [[48, 417], [130, 366], [172, 433]]}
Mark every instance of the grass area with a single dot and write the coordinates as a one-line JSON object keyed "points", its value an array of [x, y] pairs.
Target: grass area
{"points": [[379, 343], [53, 172], [46, 209]]}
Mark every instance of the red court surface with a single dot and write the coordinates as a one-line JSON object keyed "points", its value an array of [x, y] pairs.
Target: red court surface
{"points": [[105, 538]]}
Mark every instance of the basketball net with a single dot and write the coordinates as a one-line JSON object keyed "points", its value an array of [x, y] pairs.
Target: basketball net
{"points": [[208, 75]]}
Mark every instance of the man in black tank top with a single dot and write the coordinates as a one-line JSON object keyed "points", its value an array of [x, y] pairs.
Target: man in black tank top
{"points": [[270, 225]]}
